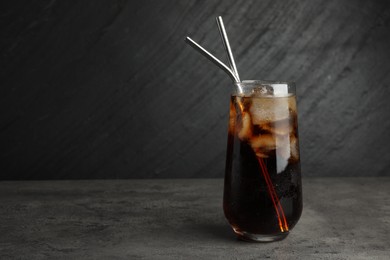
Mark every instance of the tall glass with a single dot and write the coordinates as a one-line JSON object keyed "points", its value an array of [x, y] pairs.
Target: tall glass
{"points": [[262, 190]]}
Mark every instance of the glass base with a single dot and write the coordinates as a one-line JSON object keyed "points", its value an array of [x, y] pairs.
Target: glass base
{"points": [[242, 235]]}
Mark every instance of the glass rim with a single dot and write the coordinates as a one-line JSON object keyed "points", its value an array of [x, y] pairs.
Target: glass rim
{"points": [[279, 88], [266, 82]]}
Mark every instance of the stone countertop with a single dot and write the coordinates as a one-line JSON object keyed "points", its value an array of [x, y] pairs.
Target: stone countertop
{"points": [[343, 218]]}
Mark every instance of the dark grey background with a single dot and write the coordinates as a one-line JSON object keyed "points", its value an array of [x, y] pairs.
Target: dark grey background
{"points": [[109, 89]]}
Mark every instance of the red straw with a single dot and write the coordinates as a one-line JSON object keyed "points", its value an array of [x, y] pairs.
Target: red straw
{"points": [[274, 197]]}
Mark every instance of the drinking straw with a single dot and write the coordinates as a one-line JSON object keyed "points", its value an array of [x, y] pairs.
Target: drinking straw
{"points": [[226, 44], [233, 74], [274, 197], [212, 58]]}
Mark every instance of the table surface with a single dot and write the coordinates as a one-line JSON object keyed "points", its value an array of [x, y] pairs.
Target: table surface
{"points": [[343, 218]]}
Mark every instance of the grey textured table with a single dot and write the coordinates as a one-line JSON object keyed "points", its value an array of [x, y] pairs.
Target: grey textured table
{"points": [[343, 218]]}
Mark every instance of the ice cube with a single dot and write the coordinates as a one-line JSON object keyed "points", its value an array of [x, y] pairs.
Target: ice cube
{"points": [[266, 109], [246, 126], [279, 127], [262, 91], [265, 142], [281, 164], [294, 148], [283, 152], [283, 146], [232, 118], [261, 154]]}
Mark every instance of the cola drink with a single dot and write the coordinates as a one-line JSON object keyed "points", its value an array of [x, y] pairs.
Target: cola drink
{"points": [[262, 189]]}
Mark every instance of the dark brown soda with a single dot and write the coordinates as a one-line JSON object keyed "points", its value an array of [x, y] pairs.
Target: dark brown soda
{"points": [[247, 202]]}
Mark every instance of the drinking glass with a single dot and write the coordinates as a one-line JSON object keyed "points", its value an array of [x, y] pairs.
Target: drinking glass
{"points": [[262, 187]]}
